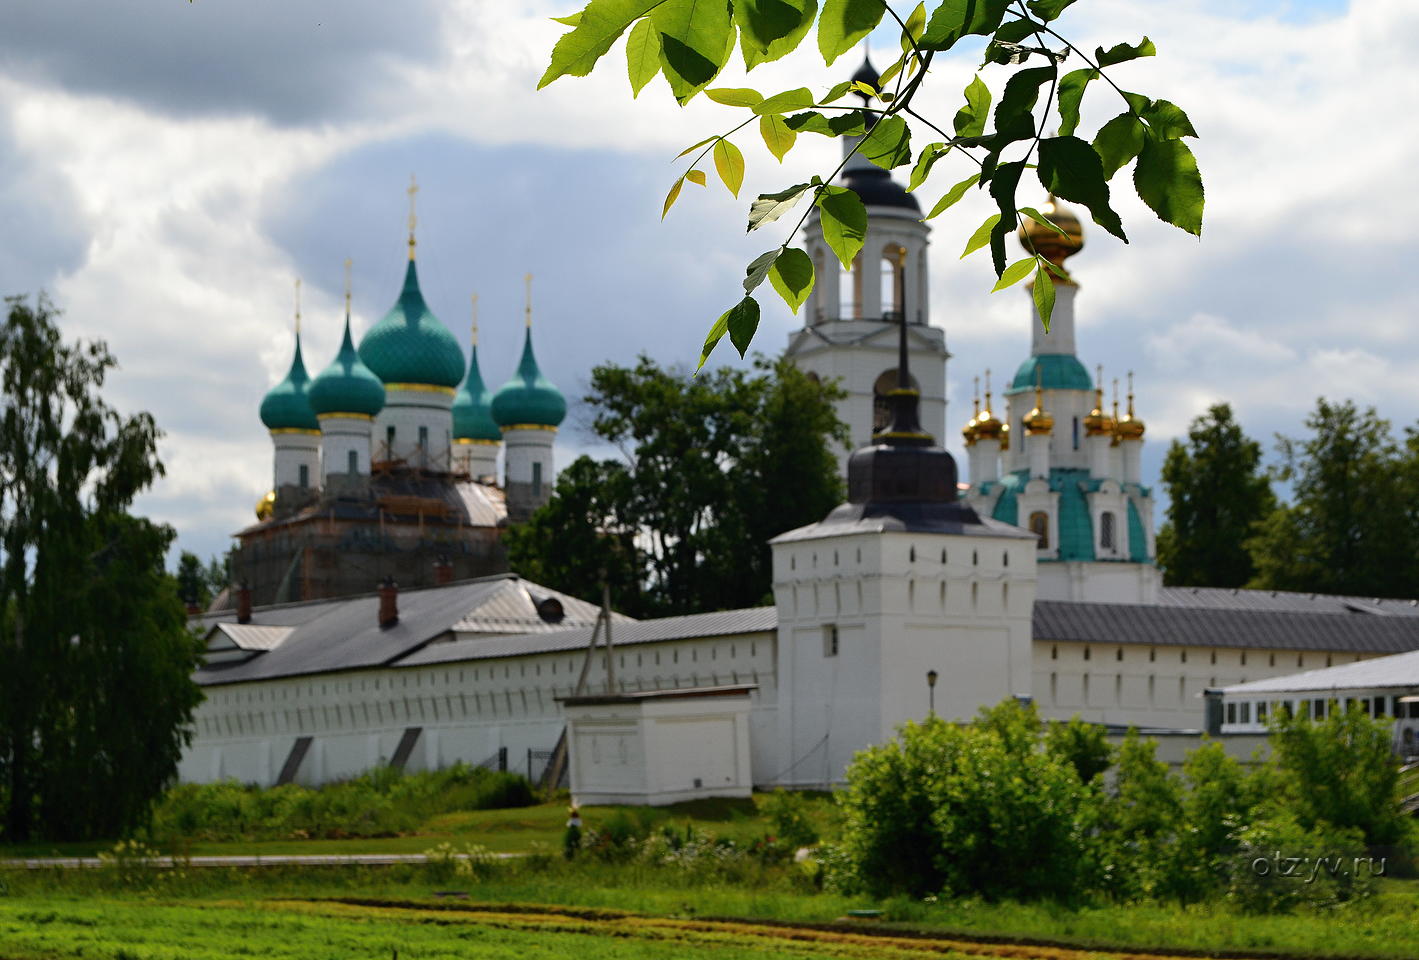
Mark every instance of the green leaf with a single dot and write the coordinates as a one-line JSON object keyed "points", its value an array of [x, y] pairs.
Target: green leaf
{"points": [[596, 29], [785, 102], [952, 197], [755, 273], [1069, 168], [1014, 273], [771, 29], [844, 222], [743, 322], [888, 145], [695, 146], [982, 235], [571, 19], [642, 56], [1043, 294], [972, 118], [672, 196], [777, 136], [1040, 218], [770, 206], [735, 96], [844, 23], [696, 177], [1048, 10], [1168, 121], [837, 92], [1167, 179], [864, 88], [1071, 94], [1118, 142], [695, 38], [915, 27], [1021, 93], [729, 163], [852, 123], [716, 334], [1015, 31], [890, 74], [1124, 52], [925, 160], [792, 277], [955, 19], [1002, 189]]}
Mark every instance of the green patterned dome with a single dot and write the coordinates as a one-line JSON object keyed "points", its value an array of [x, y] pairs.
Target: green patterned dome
{"points": [[286, 406], [529, 397], [411, 345], [1053, 371], [473, 407], [347, 385]]}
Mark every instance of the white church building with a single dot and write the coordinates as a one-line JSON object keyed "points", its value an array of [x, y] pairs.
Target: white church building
{"points": [[919, 594]]}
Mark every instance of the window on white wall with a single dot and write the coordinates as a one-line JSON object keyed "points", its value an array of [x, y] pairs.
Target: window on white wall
{"points": [[1106, 530], [1039, 526], [830, 640]]}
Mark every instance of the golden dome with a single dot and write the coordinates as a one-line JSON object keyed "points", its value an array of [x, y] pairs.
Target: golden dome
{"points": [[1037, 237], [266, 506], [1004, 437], [1038, 421], [988, 426], [1130, 427], [969, 430]]}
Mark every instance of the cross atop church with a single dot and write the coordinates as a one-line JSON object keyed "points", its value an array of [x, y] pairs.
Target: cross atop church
{"points": [[413, 215]]}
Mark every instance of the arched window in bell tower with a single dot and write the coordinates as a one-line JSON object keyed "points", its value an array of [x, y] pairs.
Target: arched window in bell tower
{"points": [[881, 408], [1039, 526], [892, 266], [1106, 530]]}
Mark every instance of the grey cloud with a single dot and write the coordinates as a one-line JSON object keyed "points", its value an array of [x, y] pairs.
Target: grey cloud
{"points": [[290, 62], [37, 211]]}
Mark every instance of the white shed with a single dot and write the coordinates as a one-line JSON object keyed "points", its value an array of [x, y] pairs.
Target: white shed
{"points": [[657, 747]]}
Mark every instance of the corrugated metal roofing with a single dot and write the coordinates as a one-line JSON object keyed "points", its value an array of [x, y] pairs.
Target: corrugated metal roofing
{"points": [[1062, 621], [344, 633], [723, 623], [1400, 670], [250, 636], [1225, 599]]}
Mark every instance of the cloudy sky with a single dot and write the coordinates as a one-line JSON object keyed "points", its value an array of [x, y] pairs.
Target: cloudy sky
{"points": [[168, 168]]}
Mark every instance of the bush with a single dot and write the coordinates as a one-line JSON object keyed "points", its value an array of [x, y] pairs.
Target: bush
{"points": [[1281, 865], [789, 814]]}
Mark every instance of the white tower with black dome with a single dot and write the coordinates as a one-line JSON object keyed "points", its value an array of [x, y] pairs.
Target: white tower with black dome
{"points": [[849, 331]]}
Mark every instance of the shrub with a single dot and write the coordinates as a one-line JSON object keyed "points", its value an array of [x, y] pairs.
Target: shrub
{"points": [[1084, 746], [1281, 865], [789, 814]]}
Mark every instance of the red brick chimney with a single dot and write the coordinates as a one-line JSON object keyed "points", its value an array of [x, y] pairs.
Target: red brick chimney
{"points": [[388, 602], [443, 571], [243, 599]]}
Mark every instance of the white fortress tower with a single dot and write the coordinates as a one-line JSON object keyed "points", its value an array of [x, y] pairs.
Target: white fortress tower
{"points": [[528, 409], [1058, 464], [850, 330], [901, 602]]}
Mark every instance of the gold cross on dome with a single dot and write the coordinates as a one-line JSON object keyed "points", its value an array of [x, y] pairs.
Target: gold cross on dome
{"points": [[413, 215]]}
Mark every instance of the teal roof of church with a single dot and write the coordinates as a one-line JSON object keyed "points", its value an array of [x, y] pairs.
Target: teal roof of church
{"points": [[286, 406], [1055, 371], [1076, 529], [411, 345], [529, 397], [347, 385], [473, 406]]}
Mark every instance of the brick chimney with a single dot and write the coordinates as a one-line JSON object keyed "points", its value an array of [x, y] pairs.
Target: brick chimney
{"points": [[243, 598], [443, 571], [388, 602]]}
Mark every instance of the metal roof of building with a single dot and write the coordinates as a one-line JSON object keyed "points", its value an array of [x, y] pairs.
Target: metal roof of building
{"points": [[1400, 670], [1228, 599], [250, 636], [720, 624], [1162, 625], [344, 633]]}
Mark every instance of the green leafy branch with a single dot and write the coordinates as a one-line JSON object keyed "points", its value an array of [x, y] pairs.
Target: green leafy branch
{"points": [[688, 42]]}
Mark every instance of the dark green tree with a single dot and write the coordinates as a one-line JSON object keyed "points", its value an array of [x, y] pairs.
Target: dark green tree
{"points": [[1351, 528], [713, 466], [96, 660], [1218, 493], [193, 586]]}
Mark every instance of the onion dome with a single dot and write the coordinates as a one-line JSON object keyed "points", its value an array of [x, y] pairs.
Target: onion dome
{"points": [[473, 407], [528, 399], [286, 406], [1129, 427], [411, 345], [266, 506], [1097, 422], [988, 426], [1038, 422], [347, 386], [1039, 238]]}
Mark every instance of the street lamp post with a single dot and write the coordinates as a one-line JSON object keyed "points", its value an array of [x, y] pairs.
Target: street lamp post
{"points": [[931, 692]]}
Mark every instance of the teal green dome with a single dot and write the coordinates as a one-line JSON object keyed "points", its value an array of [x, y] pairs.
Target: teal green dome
{"points": [[1056, 371], [529, 397], [473, 407], [347, 385], [286, 406], [411, 345]]}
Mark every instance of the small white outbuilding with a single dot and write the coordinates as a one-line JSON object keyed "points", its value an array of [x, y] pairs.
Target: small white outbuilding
{"points": [[657, 747]]}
